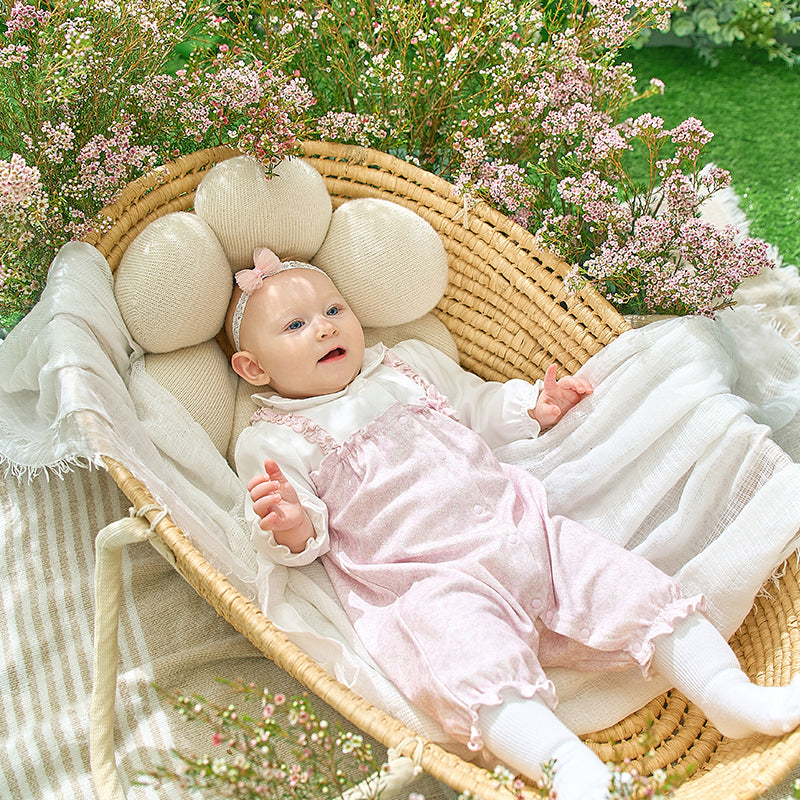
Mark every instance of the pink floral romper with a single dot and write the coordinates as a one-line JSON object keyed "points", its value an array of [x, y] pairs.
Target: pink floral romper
{"points": [[456, 579]]}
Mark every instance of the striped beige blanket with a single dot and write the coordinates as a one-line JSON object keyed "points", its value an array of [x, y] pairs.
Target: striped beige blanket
{"points": [[169, 636]]}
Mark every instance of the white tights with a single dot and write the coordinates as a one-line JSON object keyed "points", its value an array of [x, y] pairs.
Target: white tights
{"points": [[524, 734]]}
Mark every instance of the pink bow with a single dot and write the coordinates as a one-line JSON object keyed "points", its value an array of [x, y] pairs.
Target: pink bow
{"points": [[265, 263]]}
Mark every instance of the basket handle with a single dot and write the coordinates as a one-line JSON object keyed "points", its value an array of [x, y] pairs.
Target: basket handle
{"points": [[109, 544]]}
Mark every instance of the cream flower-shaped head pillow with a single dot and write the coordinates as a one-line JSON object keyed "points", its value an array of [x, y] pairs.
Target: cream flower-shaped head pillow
{"points": [[174, 283]]}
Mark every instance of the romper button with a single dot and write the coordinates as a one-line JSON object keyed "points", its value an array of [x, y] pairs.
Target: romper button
{"points": [[536, 603], [512, 539], [585, 632], [477, 508]]}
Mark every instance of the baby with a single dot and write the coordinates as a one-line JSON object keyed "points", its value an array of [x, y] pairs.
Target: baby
{"points": [[459, 583]]}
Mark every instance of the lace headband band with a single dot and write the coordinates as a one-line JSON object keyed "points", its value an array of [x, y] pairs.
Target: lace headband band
{"points": [[266, 264]]}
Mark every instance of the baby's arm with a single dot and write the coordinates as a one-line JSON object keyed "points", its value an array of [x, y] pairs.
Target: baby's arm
{"points": [[558, 397], [278, 508]]}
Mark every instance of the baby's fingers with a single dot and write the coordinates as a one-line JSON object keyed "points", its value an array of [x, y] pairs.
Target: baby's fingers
{"points": [[272, 474], [584, 387], [271, 521], [256, 481], [266, 504], [578, 385], [261, 487], [548, 415], [272, 470], [550, 379]]}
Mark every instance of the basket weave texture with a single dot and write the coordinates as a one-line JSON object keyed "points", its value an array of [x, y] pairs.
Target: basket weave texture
{"points": [[509, 313]]}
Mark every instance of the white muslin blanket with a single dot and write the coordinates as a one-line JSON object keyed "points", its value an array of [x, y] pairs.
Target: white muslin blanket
{"points": [[686, 452]]}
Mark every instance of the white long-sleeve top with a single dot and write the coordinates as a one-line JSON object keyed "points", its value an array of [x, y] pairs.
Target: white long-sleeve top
{"points": [[496, 411]]}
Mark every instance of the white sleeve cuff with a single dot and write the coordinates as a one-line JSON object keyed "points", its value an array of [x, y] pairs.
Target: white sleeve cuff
{"points": [[514, 422], [264, 542]]}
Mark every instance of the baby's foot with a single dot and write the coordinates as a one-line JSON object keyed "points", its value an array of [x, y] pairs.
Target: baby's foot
{"points": [[739, 708], [579, 774]]}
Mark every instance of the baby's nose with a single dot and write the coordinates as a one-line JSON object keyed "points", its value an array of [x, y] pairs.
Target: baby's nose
{"points": [[326, 326]]}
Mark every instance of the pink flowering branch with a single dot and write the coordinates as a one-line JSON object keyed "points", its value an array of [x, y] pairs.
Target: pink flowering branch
{"points": [[553, 155], [86, 101]]}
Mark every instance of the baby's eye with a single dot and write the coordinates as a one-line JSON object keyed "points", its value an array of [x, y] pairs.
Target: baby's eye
{"points": [[333, 311], [294, 325]]}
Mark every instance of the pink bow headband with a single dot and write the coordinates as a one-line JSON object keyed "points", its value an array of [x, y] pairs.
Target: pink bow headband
{"points": [[266, 264]]}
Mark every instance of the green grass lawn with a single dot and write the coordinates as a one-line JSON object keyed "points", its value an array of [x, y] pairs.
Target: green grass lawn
{"points": [[752, 105]]}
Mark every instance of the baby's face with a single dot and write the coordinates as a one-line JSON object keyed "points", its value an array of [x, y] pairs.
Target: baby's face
{"points": [[302, 335]]}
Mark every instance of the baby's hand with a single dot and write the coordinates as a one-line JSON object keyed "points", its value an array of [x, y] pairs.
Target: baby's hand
{"points": [[558, 397], [278, 507]]}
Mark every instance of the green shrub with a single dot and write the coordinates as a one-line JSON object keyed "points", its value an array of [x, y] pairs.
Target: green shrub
{"points": [[761, 24]]}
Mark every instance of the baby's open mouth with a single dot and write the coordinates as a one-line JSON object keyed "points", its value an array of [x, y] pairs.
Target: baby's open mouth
{"points": [[333, 355]]}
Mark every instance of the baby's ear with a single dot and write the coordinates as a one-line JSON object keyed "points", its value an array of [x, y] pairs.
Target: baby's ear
{"points": [[248, 368]]}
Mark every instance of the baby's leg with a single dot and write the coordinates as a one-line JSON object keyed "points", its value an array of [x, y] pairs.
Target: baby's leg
{"points": [[699, 662], [526, 734]]}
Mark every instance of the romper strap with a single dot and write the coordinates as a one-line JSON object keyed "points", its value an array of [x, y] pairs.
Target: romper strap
{"points": [[436, 399], [314, 432]]}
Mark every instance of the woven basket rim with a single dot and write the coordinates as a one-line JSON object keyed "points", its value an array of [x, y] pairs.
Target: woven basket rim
{"points": [[730, 768]]}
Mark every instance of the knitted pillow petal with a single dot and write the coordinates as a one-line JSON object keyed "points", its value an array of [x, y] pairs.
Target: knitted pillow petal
{"points": [[388, 262], [173, 284], [201, 378], [244, 409], [288, 212]]}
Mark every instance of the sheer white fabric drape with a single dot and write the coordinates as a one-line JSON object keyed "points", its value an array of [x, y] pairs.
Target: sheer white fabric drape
{"points": [[674, 455]]}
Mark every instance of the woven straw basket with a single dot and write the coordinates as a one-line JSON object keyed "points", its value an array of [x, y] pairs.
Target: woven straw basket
{"points": [[506, 308]]}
